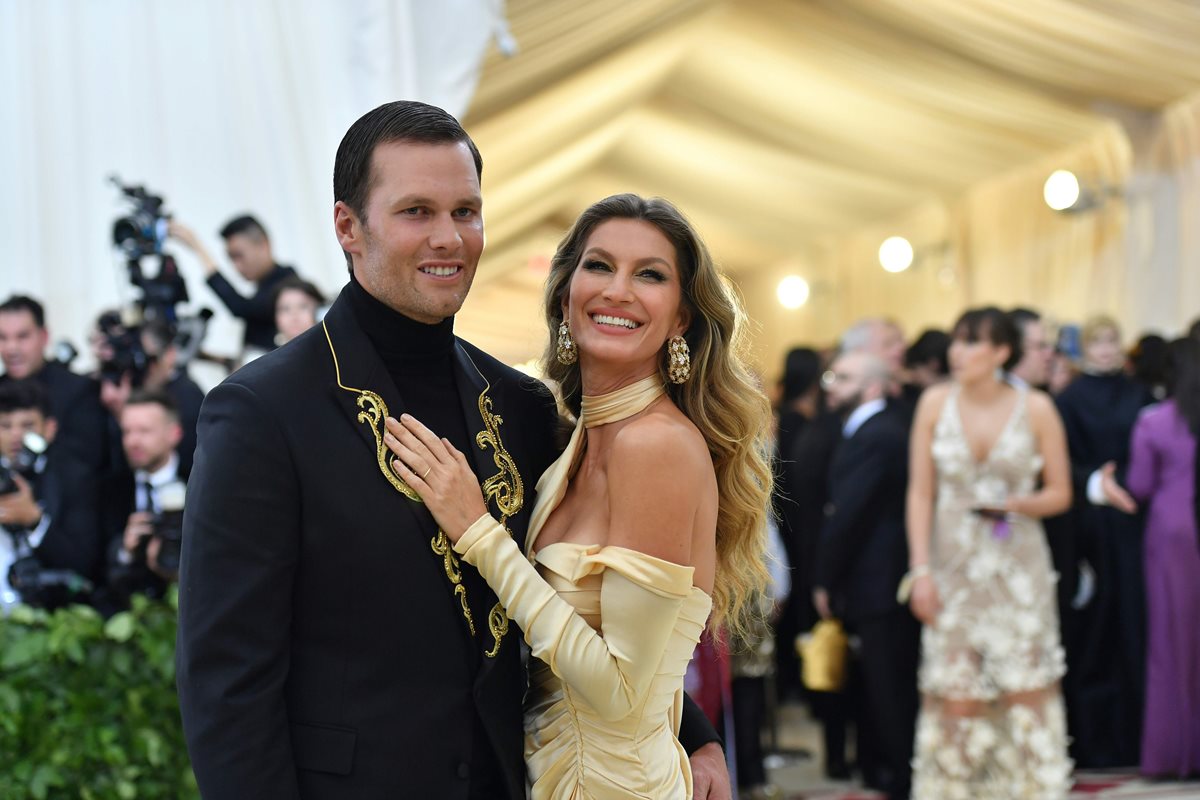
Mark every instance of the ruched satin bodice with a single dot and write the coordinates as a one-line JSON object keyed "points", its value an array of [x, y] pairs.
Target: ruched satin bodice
{"points": [[571, 750]]}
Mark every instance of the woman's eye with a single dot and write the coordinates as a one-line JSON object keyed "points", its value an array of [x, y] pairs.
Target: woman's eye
{"points": [[595, 265], [653, 274]]}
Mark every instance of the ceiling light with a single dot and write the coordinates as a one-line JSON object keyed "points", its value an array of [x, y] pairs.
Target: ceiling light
{"points": [[792, 292], [1061, 190], [895, 254]]}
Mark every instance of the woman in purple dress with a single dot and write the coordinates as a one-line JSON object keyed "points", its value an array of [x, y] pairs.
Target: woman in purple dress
{"points": [[1163, 473]]}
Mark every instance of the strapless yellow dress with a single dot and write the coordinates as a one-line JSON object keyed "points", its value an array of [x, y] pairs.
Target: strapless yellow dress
{"points": [[612, 631]]}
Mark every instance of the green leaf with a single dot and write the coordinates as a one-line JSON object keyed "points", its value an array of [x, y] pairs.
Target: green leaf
{"points": [[25, 650], [120, 627]]}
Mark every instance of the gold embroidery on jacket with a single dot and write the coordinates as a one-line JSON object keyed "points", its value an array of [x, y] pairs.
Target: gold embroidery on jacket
{"points": [[505, 488], [374, 412]]}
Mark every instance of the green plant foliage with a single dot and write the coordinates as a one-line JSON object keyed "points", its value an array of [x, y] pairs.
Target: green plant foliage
{"points": [[88, 708]]}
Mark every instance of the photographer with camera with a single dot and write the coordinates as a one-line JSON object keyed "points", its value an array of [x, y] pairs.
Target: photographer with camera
{"points": [[249, 248], [74, 399], [50, 544], [146, 358], [144, 547]]}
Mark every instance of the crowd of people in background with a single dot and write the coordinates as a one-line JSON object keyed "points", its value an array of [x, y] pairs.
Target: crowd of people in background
{"points": [[93, 467], [931, 470], [927, 469]]}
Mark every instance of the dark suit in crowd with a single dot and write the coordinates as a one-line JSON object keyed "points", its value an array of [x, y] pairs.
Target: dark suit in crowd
{"points": [[257, 310], [863, 555]]}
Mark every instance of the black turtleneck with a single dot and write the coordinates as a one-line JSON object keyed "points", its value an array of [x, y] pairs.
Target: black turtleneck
{"points": [[420, 360]]}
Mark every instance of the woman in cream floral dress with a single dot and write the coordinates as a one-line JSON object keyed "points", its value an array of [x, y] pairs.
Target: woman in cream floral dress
{"points": [[992, 723]]}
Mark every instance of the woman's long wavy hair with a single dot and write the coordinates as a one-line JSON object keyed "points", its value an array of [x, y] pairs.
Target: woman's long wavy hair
{"points": [[721, 397]]}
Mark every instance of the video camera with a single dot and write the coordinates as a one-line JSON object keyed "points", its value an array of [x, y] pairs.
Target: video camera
{"points": [[141, 235], [36, 585]]}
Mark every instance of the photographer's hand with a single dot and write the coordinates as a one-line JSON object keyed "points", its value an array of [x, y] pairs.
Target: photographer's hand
{"points": [[439, 473], [185, 236], [140, 524], [152, 550], [19, 509], [113, 396]]}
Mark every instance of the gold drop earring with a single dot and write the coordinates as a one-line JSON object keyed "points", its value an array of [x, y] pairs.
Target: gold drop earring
{"points": [[679, 360], [567, 351]]}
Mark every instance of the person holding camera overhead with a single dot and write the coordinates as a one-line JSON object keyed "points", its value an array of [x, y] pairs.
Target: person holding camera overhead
{"points": [[144, 554], [249, 248], [50, 543]]}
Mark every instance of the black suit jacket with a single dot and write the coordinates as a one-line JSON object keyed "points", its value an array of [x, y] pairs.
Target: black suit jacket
{"points": [[82, 422], [68, 495], [258, 310], [863, 552], [323, 651]]}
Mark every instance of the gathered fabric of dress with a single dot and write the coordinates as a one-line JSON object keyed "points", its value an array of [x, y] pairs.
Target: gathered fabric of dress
{"points": [[611, 630], [992, 723]]}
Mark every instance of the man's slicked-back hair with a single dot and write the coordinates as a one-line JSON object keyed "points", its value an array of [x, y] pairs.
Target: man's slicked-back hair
{"points": [[398, 121], [20, 302], [244, 225]]}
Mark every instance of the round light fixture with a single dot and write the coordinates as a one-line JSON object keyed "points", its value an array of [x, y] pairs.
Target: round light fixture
{"points": [[792, 292], [1061, 190], [895, 254]]}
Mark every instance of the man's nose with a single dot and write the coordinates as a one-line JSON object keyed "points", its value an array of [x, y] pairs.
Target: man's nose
{"points": [[444, 234]]}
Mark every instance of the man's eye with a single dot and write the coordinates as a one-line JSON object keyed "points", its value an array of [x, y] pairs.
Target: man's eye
{"points": [[414, 211], [464, 212]]}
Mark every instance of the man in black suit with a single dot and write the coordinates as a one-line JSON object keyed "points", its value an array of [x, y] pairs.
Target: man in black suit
{"points": [[50, 507], [862, 557], [331, 644], [249, 248], [74, 399]]}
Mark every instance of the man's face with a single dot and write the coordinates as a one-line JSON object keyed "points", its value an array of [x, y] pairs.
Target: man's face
{"points": [[149, 435], [1036, 354], [15, 424], [250, 254], [420, 245], [22, 343], [846, 384]]}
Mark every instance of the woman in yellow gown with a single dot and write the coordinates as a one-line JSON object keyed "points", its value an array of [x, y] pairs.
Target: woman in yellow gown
{"points": [[653, 516]]}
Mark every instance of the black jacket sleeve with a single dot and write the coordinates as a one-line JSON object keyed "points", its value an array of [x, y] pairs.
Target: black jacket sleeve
{"points": [[695, 730], [240, 547], [256, 307]]}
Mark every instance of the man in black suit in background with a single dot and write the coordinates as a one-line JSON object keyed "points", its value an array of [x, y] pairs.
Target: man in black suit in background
{"points": [[331, 644], [862, 556], [249, 248], [74, 399]]}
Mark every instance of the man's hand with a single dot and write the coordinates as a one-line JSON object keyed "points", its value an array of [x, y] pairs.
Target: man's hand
{"points": [[113, 396], [19, 509], [140, 524], [710, 774], [185, 236], [1114, 493], [821, 603]]}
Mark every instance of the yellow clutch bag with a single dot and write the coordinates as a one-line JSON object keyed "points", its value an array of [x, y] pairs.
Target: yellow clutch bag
{"points": [[823, 656]]}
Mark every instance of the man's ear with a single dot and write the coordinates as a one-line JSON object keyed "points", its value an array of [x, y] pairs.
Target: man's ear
{"points": [[348, 228], [176, 435]]}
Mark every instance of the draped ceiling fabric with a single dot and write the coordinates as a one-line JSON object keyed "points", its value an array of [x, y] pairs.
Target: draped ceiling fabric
{"points": [[797, 134], [221, 106]]}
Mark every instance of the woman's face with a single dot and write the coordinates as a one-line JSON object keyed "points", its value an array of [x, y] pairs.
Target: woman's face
{"points": [[971, 362], [1103, 351], [295, 312], [625, 298]]}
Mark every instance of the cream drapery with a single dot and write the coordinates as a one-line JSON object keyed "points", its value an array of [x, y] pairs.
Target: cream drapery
{"points": [[798, 135]]}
